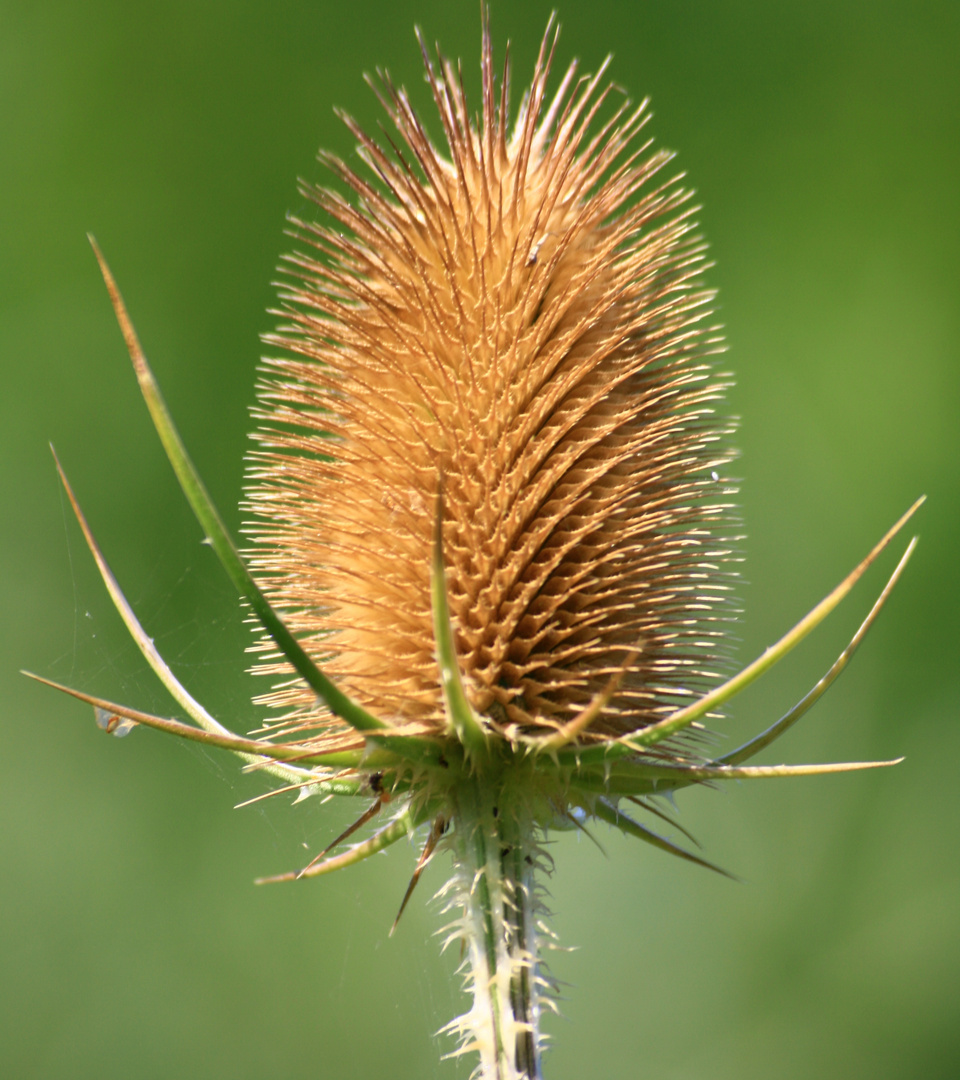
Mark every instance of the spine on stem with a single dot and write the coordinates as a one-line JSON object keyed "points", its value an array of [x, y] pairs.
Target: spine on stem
{"points": [[496, 857]]}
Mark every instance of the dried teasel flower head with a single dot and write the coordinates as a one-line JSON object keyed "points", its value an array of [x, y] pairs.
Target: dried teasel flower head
{"points": [[487, 504], [512, 319]]}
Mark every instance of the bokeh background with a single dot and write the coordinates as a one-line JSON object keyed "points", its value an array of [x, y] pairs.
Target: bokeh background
{"points": [[824, 142]]}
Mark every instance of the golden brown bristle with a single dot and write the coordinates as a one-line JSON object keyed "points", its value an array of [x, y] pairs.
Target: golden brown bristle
{"points": [[515, 319]]}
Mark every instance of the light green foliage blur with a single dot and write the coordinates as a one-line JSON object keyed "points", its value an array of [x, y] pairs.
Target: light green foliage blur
{"points": [[822, 140]]}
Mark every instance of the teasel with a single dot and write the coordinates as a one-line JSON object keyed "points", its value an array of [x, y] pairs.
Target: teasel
{"points": [[491, 523]]}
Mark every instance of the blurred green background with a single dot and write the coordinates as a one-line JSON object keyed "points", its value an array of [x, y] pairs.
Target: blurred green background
{"points": [[824, 142]]}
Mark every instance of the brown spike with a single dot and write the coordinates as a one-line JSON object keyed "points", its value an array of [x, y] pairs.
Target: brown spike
{"points": [[437, 830], [372, 811]]}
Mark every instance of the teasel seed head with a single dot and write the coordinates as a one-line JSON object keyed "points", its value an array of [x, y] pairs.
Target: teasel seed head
{"points": [[490, 502], [511, 321]]}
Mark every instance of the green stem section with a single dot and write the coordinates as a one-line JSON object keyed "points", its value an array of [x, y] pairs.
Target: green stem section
{"points": [[496, 854]]}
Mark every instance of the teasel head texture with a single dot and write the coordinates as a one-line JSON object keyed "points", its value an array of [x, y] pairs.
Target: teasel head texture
{"points": [[491, 542], [506, 330]]}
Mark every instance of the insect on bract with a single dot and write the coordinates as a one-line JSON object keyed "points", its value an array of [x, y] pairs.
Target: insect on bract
{"points": [[113, 724]]}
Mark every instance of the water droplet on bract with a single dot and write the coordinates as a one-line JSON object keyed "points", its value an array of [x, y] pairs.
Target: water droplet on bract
{"points": [[112, 724]]}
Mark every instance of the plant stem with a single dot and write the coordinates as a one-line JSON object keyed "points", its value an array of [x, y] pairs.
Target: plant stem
{"points": [[496, 855]]}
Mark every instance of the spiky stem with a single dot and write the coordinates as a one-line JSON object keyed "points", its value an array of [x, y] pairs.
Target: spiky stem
{"points": [[496, 856]]}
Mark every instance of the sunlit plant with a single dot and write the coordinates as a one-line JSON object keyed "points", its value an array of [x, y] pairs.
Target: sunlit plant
{"points": [[490, 514]]}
